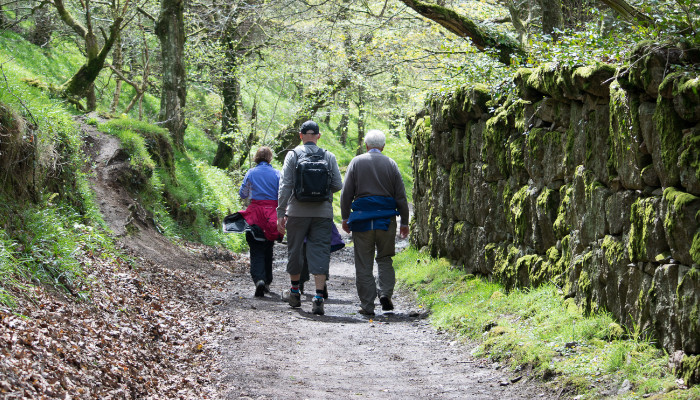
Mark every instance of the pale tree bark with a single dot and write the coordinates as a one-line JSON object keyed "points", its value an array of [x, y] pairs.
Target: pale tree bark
{"points": [[361, 120], [462, 26], [170, 30], [344, 118]]}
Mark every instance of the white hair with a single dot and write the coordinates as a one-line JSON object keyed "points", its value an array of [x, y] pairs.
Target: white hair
{"points": [[375, 139]]}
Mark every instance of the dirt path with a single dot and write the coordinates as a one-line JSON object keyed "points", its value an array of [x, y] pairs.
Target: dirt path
{"points": [[272, 351], [263, 349]]}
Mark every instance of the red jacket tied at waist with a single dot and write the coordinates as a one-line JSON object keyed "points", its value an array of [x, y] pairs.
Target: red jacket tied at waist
{"points": [[263, 213]]}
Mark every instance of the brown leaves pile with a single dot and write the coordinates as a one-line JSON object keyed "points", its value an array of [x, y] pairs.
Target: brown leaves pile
{"points": [[143, 334]]}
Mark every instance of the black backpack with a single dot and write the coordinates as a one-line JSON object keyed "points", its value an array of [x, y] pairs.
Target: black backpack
{"points": [[312, 178]]}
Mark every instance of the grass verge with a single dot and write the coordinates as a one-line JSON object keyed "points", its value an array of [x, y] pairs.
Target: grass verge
{"points": [[537, 330]]}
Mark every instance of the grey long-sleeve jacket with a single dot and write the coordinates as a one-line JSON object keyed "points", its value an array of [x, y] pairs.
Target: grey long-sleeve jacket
{"points": [[288, 204]]}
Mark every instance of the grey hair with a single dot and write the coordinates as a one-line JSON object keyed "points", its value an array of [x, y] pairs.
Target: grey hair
{"points": [[375, 139]]}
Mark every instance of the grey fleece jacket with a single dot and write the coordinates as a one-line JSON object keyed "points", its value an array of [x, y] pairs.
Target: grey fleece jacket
{"points": [[287, 202], [373, 174]]}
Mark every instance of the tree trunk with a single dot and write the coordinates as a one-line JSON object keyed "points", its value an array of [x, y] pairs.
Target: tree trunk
{"points": [[230, 92], [552, 17], [628, 12], [43, 27], [118, 61], [344, 118], [229, 121], [460, 25], [170, 30], [361, 120], [288, 138]]}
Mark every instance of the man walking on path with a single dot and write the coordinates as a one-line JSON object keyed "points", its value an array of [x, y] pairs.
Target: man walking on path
{"points": [[375, 192], [302, 215]]}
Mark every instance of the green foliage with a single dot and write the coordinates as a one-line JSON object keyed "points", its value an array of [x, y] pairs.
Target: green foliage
{"points": [[535, 327]]}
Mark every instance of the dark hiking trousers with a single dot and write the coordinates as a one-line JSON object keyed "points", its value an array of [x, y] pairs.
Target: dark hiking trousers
{"points": [[260, 258]]}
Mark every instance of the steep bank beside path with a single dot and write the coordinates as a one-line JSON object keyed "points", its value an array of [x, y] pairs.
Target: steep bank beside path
{"points": [[272, 351]]}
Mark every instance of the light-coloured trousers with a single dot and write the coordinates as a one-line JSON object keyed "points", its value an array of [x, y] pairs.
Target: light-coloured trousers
{"points": [[384, 242], [317, 232]]}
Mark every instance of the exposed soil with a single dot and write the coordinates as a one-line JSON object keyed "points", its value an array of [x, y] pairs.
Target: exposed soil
{"points": [[195, 330]]}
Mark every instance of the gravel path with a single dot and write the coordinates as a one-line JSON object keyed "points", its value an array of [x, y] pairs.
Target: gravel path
{"points": [[272, 351]]}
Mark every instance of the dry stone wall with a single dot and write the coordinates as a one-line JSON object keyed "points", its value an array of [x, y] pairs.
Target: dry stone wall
{"points": [[588, 178]]}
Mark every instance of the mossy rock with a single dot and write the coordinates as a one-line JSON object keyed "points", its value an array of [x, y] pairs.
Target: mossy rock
{"points": [[686, 98], [594, 79], [680, 223], [625, 137], [689, 369], [555, 81], [614, 331], [668, 138], [650, 63], [526, 91], [689, 160], [688, 303], [646, 237]]}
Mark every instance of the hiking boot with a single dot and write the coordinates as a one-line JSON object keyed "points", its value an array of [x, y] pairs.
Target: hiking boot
{"points": [[365, 312], [267, 288], [387, 305], [260, 289], [294, 299], [317, 306]]}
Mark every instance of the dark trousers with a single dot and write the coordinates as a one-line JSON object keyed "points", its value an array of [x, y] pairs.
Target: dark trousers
{"points": [[260, 258]]}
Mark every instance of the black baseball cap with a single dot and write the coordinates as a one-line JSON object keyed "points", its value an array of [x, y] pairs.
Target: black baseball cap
{"points": [[309, 126]]}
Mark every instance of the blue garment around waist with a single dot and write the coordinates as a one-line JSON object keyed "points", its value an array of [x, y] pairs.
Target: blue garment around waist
{"points": [[372, 212]]}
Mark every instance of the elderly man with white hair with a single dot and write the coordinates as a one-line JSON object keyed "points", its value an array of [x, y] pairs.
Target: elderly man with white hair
{"points": [[373, 195]]}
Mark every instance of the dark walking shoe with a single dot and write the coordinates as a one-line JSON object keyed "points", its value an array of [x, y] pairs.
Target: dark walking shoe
{"points": [[294, 299], [387, 305], [260, 289], [365, 312], [317, 306]]}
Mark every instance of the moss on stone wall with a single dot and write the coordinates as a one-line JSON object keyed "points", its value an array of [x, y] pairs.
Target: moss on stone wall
{"points": [[641, 219], [515, 213], [561, 224], [668, 129], [690, 369]]}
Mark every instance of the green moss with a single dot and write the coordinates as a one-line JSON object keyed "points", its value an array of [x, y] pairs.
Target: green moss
{"points": [[495, 137], [504, 269], [614, 251], [515, 212], [669, 129], [515, 155], [641, 218], [695, 248], [690, 369], [690, 156], [561, 224], [677, 201]]}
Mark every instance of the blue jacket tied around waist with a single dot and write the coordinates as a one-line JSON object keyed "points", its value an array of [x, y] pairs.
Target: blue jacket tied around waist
{"points": [[372, 212]]}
